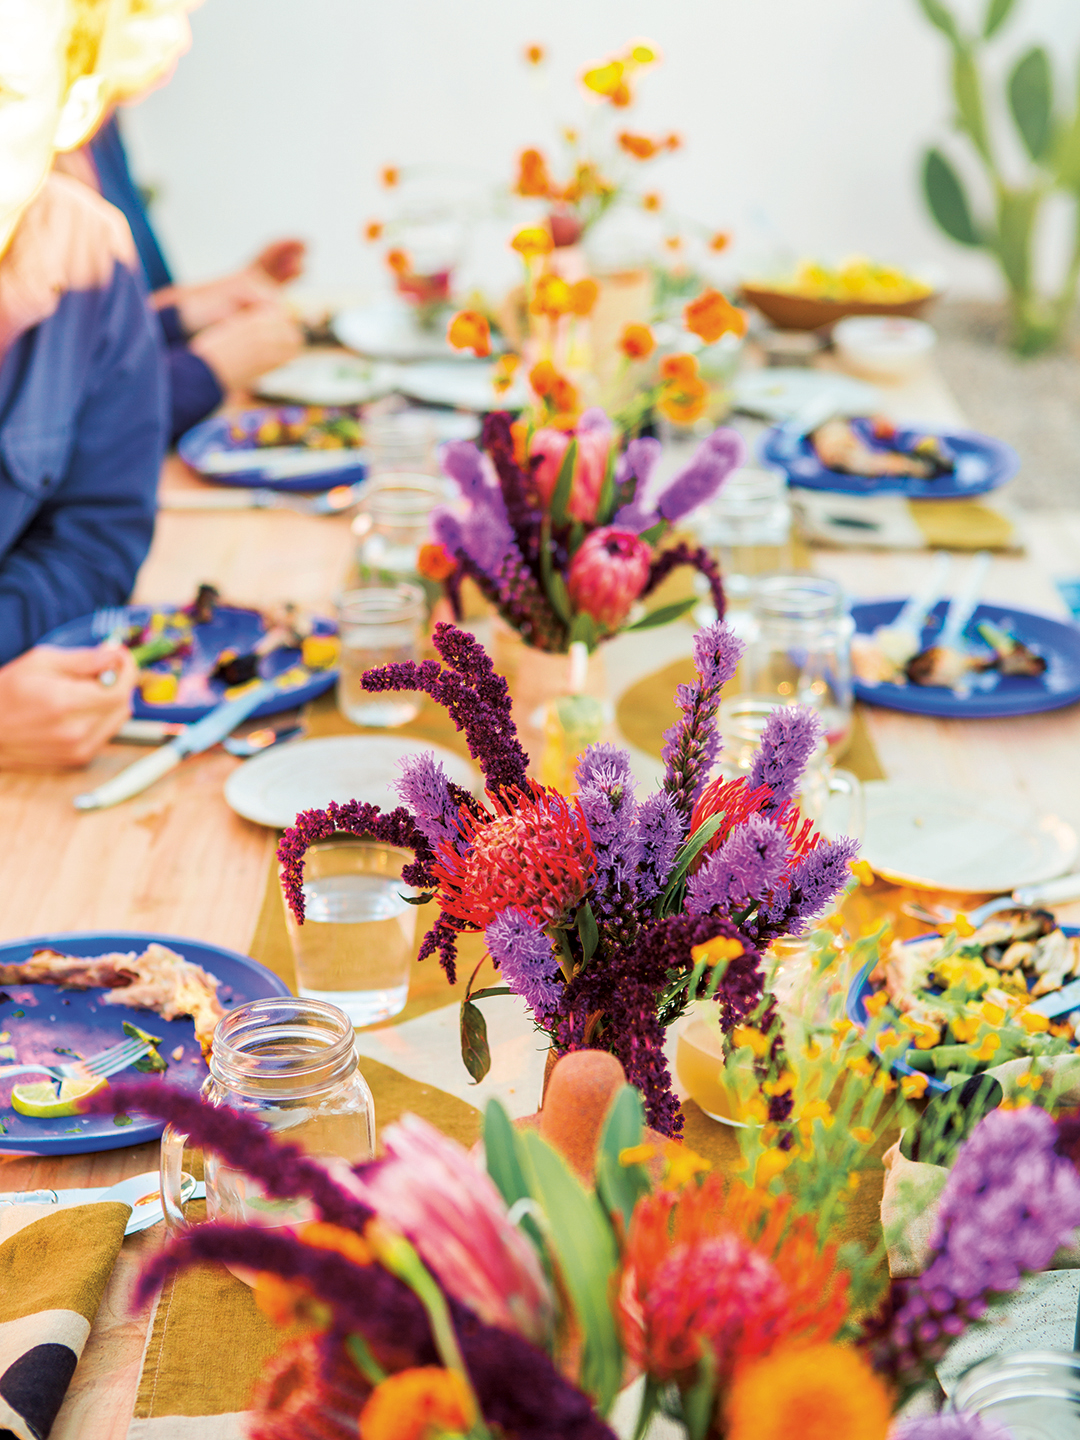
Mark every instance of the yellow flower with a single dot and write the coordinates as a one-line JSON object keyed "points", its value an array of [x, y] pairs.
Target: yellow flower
{"points": [[842, 1026], [816, 1392], [859, 1065], [853, 1180], [682, 1164], [583, 296], [390, 175], [886, 1037], [534, 54], [502, 377], [863, 1134], [636, 1154], [816, 1110], [963, 926], [812, 1050], [989, 1046], [781, 1085], [747, 1035], [883, 1082], [926, 1035], [1033, 1023], [877, 1002], [551, 297], [717, 951], [532, 241], [835, 922], [720, 241], [991, 1013], [469, 330], [1029, 1078], [862, 872], [651, 201], [712, 315], [913, 1087], [770, 1164]]}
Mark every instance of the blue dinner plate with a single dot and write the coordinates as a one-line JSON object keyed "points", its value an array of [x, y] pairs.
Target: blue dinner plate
{"points": [[230, 629], [982, 463], [211, 448], [860, 991], [38, 1018], [996, 696]]}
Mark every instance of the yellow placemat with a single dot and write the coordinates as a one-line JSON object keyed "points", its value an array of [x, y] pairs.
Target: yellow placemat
{"points": [[963, 525]]}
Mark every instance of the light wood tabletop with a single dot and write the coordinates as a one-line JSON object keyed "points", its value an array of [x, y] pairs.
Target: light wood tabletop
{"points": [[177, 860]]}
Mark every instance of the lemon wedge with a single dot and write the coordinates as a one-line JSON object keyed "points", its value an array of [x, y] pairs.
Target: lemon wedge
{"points": [[41, 1100]]}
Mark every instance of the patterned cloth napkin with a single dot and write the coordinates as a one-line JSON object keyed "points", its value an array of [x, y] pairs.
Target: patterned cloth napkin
{"points": [[54, 1265]]}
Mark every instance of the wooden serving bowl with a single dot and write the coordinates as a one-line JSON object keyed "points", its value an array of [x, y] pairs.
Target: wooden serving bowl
{"points": [[803, 312]]}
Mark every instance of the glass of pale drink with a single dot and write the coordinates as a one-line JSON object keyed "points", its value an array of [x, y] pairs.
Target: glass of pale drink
{"points": [[358, 939]]}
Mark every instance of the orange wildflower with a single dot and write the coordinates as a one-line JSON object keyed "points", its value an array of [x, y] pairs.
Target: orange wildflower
{"points": [[519, 433], [637, 342], [684, 403], [551, 297], [503, 375], [542, 378], [680, 368], [720, 241], [418, 1404], [712, 315], [532, 241], [583, 296], [390, 176], [639, 146], [469, 330], [608, 82], [651, 200], [373, 230], [321, 1236], [533, 177], [673, 242], [564, 400], [398, 261], [281, 1301], [535, 54], [820, 1392], [434, 562], [672, 141]]}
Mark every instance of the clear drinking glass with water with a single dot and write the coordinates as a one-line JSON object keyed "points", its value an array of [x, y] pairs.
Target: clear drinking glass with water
{"points": [[378, 626], [748, 529], [394, 520], [356, 945]]}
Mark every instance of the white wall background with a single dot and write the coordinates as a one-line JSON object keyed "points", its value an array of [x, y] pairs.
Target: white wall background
{"points": [[804, 119]]}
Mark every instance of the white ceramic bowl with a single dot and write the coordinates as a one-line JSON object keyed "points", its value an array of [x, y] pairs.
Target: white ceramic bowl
{"points": [[888, 347]]}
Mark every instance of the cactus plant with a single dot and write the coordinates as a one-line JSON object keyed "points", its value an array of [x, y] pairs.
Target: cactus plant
{"points": [[1051, 142]]}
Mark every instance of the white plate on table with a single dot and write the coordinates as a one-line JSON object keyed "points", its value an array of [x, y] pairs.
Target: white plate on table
{"points": [[272, 788], [464, 386], [955, 840], [388, 329], [784, 393], [327, 377]]}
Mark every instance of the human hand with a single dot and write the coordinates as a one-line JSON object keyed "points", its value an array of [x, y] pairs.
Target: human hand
{"points": [[280, 262], [248, 344], [55, 712], [206, 304]]}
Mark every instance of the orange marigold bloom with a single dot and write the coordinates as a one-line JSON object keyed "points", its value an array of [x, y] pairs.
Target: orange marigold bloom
{"points": [[682, 368], [533, 177], [639, 146], [564, 400], [637, 341], [373, 230], [720, 241], [532, 241], [535, 54], [469, 330], [502, 376], [418, 1404], [390, 175], [712, 315], [822, 1392], [434, 562], [551, 297], [651, 201], [542, 378], [583, 296], [684, 402], [399, 262]]}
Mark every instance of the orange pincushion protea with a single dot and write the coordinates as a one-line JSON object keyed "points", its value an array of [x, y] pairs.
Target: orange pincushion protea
{"points": [[419, 1404], [711, 315]]}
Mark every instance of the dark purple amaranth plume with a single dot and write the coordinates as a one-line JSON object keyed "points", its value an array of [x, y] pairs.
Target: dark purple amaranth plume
{"points": [[519, 490], [681, 554]]}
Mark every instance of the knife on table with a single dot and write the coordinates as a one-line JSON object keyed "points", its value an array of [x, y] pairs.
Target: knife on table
{"points": [[191, 741]]}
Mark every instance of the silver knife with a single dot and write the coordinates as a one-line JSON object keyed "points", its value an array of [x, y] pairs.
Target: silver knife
{"points": [[141, 1192], [333, 502], [191, 740]]}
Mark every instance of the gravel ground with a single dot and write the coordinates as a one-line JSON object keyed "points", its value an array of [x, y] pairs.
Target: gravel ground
{"points": [[1034, 405]]}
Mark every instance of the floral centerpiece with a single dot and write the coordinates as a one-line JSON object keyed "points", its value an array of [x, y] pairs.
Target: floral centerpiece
{"points": [[606, 913]]}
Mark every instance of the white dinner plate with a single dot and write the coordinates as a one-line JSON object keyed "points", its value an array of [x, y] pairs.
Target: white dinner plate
{"points": [[784, 393], [387, 329], [465, 386], [954, 840], [327, 377], [272, 788]]}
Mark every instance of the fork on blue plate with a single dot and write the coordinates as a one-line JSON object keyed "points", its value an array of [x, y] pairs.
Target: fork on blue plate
{"points": [[96, 1067]]}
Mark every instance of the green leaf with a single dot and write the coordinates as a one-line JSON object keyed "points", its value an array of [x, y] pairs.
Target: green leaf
{"points": [[650, 1403], [654, 532], [621, 1186], [1031, 100], [584, 630], [560, 597], [364, 1360], [587, 931], [997, 12], [502, 1157], [949, 1119], [474, 1041], [123, 1120], [664, 614], [490, 990], [699, 1399], [947, 201], [134, 1033], [700, 838], [424, 899], [967, 91], [941, 17], [1017, 210], [561, 494], [577, 535], [583, 1242], [1066, 160], [605, 506]]}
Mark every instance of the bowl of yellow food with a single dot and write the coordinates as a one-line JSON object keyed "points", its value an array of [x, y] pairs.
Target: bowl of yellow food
{"points": [[817, 296]]}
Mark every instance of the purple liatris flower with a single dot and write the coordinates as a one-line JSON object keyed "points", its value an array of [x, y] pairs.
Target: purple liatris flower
{"points": [[660, 830], [635, 466], [713, 462], [950, 1427], [522, 950], [607, 574], [430, 1189], [1009, 1204], [790, 737], [814, 883], [750, 864], [424, 787], [692, 742], [606, 798]]}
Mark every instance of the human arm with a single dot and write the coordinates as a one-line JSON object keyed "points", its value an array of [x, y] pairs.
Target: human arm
{"points": [[248, 344], [55, 712]]}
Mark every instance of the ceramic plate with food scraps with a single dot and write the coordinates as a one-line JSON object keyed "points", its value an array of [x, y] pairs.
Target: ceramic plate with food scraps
{"points": [[81, 1009], [1008, 662], [1007, 992], [327, 377], [872, 456], [282, 447], [194, 656]]}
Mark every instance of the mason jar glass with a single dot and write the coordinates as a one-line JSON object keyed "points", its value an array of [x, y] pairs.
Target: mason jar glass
{"points": [[291, 1064], [747, 527], [1034, 1395], [379, 625], [393, 521]]}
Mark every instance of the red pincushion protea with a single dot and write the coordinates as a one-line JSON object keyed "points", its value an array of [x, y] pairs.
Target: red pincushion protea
{"points": [[535, 854], [607, 574], [736, 801]]}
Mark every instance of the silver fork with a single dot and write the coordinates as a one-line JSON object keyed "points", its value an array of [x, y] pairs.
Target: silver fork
{"points": [[99, 1067]]}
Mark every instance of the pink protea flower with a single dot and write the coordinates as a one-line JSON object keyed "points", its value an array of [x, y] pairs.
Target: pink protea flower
{"points": [[429, 1188], [590, 467], [608, 573], [534, 854]]}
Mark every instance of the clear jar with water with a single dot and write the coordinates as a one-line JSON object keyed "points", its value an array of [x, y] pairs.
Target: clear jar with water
{"points": [[1034, 1395], [800, 650], [399, 441], [747, 527], [393, 521], [380, 625], [356, 945]]}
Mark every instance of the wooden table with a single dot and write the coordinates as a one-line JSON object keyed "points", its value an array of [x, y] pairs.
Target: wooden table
{"points": [[177, 860]]}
